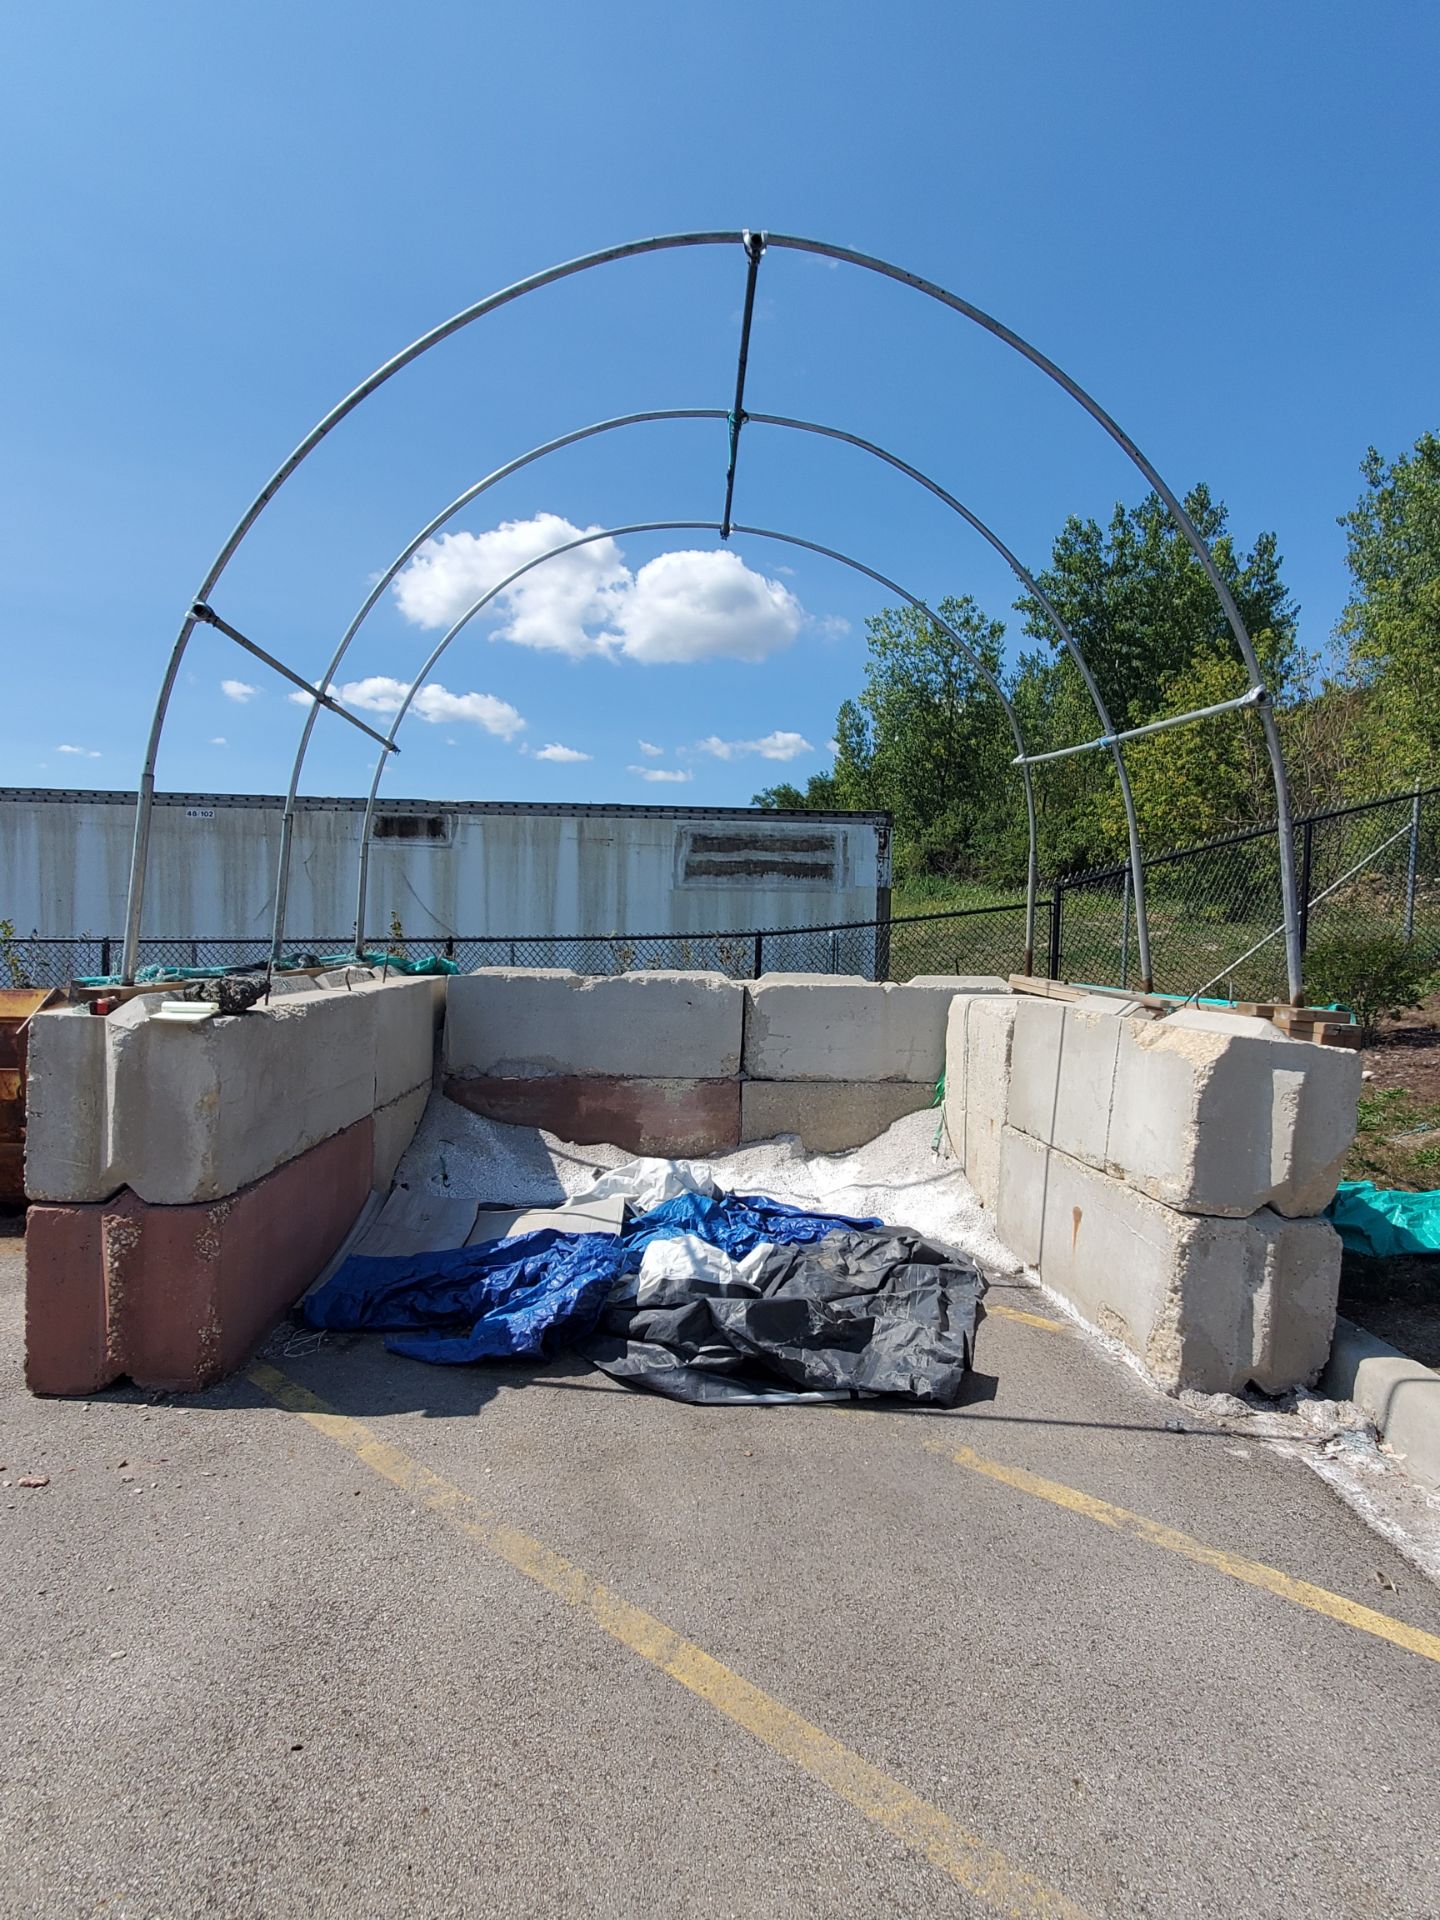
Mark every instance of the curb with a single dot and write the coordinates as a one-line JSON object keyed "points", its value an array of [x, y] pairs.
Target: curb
{"points": [[1396, 1392]]}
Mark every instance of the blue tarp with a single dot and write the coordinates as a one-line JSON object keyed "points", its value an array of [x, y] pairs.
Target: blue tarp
{"points": [[1381, 1222], [536, 1291]]}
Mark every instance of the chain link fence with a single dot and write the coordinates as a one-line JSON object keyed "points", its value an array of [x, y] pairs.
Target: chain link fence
{"points": [[987, 939], [1363, 870]]}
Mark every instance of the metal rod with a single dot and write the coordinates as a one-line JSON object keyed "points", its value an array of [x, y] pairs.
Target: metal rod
{"points": [[1412, 864], [212, 619], [1255, 697], [1067, 639], [377, 590], [867, 262], [1125, 936], [754, 248], [695, 526], [491, 479], [145, 793]]}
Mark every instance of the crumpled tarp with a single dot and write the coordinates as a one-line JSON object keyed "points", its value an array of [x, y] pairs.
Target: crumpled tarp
{"points": [[874, 1312], [522, 1296], [1381, 1222], [786, 1303]]}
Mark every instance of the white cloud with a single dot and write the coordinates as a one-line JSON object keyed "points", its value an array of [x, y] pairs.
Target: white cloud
{"points": [[673, 774], [680, 606], [774, 746], [555, 751], [240, 691], [649, 746], [554, 607], [85, 753], [379, 693], [219, 741], [832, 747], [705, 606]]}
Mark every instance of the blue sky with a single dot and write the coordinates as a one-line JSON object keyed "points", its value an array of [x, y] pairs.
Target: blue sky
{"points": [[1220, 220]]}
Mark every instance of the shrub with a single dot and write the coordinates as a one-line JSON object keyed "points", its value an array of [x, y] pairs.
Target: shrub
{"points": [[1376, 975]]}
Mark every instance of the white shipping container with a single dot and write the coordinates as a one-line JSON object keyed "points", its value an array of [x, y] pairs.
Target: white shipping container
{"points": [[438, 869]]}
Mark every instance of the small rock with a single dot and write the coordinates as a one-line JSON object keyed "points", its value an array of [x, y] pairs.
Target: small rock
{"points": [[34, 1480], [1366, 1074]]}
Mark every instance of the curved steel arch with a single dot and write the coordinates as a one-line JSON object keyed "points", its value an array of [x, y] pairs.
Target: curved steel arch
{"points": [[694, 526], [1025, 577], [667, 242]]}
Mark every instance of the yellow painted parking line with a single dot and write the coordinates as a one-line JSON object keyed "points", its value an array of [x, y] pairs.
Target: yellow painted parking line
{"points": [[982, 1870], [1236, 1566], [1029, 1319]]}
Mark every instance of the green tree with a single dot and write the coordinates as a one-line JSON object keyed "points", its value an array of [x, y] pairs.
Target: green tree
{"points": [[1155, 636], [1142, 609], [927, 739], [819, 795], [1391, 625]]}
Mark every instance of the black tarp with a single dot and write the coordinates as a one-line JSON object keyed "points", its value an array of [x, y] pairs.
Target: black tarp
{"points": [[880, 1312]]}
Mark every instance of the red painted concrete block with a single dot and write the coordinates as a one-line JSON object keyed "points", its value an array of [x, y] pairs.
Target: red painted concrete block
{"points": [[642, 1116], [177, 1297]]}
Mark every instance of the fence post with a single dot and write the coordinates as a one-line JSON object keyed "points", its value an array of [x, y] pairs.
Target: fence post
{"points": [[105, 954], [1054, 967], [1125, 934], [882, 949], [1412, 864], [759, 956], [1307, 851]]}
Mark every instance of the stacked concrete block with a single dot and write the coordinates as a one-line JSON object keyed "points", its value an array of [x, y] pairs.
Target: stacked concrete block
{"points": [[1205, 1301], [188, 1180], [837, 1060], [979, 1039], [1162, 1174], [646, 1061]]}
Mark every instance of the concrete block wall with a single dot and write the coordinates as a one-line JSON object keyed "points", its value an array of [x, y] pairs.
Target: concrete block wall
{"points": [[692, 1063], [1164, 1175], [233, 1153]]}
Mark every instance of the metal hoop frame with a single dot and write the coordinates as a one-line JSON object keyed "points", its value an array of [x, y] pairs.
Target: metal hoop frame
{"points": [[471, 493], [754, 246], [694, 526]]}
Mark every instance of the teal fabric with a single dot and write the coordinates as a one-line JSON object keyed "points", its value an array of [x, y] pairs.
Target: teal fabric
{"points": [[1381, 1221], [433, 963]]}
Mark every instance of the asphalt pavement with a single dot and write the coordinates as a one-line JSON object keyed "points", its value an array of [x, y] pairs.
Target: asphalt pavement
{"points": [[354, 1636]]}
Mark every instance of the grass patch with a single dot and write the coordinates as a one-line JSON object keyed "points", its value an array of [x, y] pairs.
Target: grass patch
{"points": [[1397, 1141]]}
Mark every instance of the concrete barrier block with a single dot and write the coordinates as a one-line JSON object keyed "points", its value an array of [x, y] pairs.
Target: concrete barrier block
{"points": [[394, 1129], [961, 982], [67, 1109], [1063, 1074], [407, 1013], [177, 1296], [1221, 1114], [830, 1116], [670, 1117], [1396, 1392], [978, 1041], [805, 1026], [199, 1111], [513, 1024], [1211, 1303]]}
